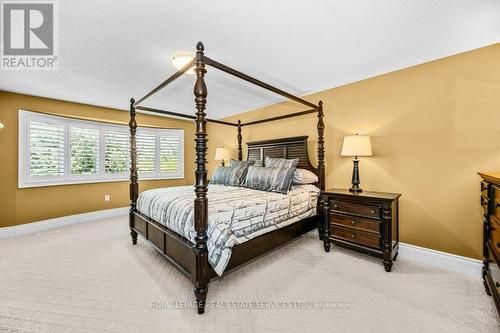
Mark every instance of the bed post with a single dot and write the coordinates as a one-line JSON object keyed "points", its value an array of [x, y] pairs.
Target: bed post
{"points": [[322, 205], [321, 147], [200, 276], [240, 151], [134, 186]]}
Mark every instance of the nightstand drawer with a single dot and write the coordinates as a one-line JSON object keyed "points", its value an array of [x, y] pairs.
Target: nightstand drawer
{"points": [[355, 222], [355, 236], [357, 209]]}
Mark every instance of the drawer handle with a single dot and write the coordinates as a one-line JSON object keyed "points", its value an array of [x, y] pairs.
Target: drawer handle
{"points": [[353, 236], [372, 211], [335, 206], [353, 222]]}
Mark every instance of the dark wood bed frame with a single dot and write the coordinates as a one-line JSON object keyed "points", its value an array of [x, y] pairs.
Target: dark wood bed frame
{"points": [[192, 259]]}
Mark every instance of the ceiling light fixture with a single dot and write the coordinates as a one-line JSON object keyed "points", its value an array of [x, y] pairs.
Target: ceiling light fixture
{"points": [[1, 126], [181, 59]]}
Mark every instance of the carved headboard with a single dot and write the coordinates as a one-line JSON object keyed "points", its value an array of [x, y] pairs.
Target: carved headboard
{"points": [[282, 148]]}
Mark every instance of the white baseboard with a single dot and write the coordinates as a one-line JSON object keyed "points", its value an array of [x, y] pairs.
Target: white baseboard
{"points": [[56, 223], [443, 260]]}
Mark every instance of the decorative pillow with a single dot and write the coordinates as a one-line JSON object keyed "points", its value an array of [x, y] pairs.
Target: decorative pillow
{"points": [[272, 162], [242, 167], [229, 176], [269, 179], [238, 163], [303, 176], [233, 175]]}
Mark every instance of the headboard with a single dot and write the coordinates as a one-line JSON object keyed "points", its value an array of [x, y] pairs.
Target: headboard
{"points": [[282, 148]]}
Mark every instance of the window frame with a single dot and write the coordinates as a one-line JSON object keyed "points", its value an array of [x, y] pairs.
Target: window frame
{"points": [[25, 180]]}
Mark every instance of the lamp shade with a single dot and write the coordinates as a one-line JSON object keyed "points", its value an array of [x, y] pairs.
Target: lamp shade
{"points": [[222, 154], [356, 145]]}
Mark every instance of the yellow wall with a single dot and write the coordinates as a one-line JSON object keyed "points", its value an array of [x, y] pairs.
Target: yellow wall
{"points": [[20, 206], [433, 126]]}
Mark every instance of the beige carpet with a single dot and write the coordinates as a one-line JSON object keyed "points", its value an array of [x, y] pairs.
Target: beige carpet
{"points": [[89, 277]]}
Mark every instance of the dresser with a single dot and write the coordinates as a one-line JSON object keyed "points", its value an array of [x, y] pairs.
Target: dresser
{"points": [[364, 221], [490, 203]]}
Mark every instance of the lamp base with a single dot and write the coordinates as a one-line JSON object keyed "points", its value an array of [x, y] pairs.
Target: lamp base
{"points": [[355, 189], [355, 177]]}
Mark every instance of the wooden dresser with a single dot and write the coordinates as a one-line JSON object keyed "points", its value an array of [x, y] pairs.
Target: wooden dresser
{"points": [[365, 221], [490, 201]]}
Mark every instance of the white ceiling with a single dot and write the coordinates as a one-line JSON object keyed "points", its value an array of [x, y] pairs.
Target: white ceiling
{"points": [[113, 50]]}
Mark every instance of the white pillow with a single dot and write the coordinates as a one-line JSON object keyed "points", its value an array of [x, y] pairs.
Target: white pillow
{"points": [[303, 176]]}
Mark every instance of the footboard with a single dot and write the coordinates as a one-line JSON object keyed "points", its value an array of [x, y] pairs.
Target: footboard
{"points": [[177, 249]]}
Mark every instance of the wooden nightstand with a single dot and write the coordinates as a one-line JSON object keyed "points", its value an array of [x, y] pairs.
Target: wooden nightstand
{"points": [[365, 221]]}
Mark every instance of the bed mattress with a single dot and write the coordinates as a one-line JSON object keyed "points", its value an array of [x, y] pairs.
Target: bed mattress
{"points": [[235, 214]]}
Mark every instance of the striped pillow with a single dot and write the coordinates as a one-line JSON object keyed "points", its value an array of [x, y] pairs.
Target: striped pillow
{"points": [[233, 175], [269, 179], [242, 167], [238, 163], [281, 162], [226, 176]]}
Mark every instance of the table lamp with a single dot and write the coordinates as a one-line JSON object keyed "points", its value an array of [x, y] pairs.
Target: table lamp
{"points": [[356, 145], [222, 154]]}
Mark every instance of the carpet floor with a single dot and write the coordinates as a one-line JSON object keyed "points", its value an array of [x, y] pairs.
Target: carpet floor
{"points": [[89, 278]]}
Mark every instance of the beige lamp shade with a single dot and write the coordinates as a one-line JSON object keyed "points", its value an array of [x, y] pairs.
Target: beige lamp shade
{"points": [[222, 154], [356, 145]]}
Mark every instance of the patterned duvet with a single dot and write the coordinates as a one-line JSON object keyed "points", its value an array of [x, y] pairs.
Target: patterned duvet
{"points": [[235, 214]]}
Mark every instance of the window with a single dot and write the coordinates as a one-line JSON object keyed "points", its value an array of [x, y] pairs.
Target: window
{"points": [[169, 146], [46, 155], [146, 151], [56, 150], [116, 152], [84, 150]]}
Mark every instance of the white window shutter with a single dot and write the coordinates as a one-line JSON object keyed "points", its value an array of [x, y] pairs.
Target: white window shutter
{"points": [[46, 149], [146, 152], [84, 151], [170, 152], [116, 152]]}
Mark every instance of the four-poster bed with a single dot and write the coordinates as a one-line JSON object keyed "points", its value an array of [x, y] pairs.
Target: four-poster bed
{"points": [[191, 257]]}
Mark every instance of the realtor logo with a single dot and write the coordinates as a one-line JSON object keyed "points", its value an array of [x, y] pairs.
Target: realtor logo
{"points": [[30, 35]]}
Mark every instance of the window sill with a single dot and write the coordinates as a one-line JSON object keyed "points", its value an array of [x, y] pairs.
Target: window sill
{"points": [[86, 181]]}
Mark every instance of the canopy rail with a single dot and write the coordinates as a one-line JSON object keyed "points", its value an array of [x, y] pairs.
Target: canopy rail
{"points": [[290, 115], [165, 83], [222, 122], [259, 83], [182, 115]]}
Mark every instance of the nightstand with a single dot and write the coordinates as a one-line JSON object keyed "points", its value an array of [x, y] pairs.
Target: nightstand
{"points": [[363, 221]]}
